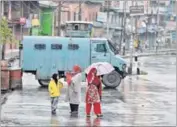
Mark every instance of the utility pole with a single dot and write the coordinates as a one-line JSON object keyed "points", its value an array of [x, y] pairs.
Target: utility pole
{"points": [[108, 6], [130, 68], [123, 26], [131, 49], [157, 22], [80, 11], [0, 50], [2, 8], [21, 14], [147, 21], [21, 31], [136, 21], [59, 17]]}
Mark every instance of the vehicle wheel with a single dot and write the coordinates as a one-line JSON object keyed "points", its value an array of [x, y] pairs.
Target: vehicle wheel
{"points": [[43, 83], [112, 80]]}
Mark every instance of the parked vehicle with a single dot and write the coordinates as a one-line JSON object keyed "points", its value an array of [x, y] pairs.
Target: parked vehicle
{"points": [[43, 56]]}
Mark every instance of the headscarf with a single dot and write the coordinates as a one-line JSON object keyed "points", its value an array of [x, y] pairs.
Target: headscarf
{"points": [[54, 77], [92, 78], [76, 69]]}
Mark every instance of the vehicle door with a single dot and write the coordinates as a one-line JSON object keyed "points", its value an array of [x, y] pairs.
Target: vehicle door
{"points": [[99, 51]]}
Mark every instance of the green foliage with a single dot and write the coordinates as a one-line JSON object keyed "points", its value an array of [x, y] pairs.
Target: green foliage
{"points": [[6, 35]]}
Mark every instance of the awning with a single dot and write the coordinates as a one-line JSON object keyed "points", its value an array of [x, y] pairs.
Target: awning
{"points": [[48, 4]]}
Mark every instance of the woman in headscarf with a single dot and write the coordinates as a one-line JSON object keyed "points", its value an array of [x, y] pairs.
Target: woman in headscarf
{"points": [[93, 93], [74, 89], [54, 88]]}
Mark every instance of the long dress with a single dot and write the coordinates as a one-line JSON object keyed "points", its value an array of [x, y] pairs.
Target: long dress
{"points": [[93, 93], [93, 96]]}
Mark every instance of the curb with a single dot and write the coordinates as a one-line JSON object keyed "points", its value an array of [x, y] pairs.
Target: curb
{"points": [[5, 97], [151, 54], [154, 51], [141, 73]]}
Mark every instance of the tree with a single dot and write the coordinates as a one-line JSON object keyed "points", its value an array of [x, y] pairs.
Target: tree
{"points": [[6, 35]]}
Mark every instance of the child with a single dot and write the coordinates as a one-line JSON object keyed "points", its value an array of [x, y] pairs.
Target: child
{"points": [[54, 89]]}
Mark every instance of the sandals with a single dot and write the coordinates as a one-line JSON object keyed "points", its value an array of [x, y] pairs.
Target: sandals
{"points": [[99, 115]]}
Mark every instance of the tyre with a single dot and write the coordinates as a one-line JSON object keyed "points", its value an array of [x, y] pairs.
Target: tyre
{"points": [[43, 83], [112, 80]]}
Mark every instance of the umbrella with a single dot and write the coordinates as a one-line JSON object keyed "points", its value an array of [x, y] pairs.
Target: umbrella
{"points": [[102, 68]]}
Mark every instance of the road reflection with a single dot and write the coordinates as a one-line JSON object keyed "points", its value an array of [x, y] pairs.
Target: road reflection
{"points": [[54, 121], [93, 123]]}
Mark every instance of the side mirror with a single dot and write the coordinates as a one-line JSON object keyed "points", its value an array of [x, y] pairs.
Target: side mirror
{"points": [[117, 51]]}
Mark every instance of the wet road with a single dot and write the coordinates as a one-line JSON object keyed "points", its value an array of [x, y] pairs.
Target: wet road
{"points": [[139, 100]]}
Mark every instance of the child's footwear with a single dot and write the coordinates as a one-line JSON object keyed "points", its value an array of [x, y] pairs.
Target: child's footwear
{"points": [[53, 113]]}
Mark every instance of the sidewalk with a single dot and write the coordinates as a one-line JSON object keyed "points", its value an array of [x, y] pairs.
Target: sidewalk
{"points": [[9, 56]]}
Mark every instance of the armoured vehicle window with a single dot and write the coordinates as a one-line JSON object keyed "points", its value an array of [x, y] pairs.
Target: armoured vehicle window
{"points": [[40, 46], [100, 48], [111, 46], [73, 46], [56, 46]]}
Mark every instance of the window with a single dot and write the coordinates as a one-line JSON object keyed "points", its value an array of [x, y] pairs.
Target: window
{"points": [[76, 27], [89, 17], [40, 46], [100, 48], [56, 46], [162, 4], [69, 26], [107, 3], [111, 46], [74, 16], [73, 46]]}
